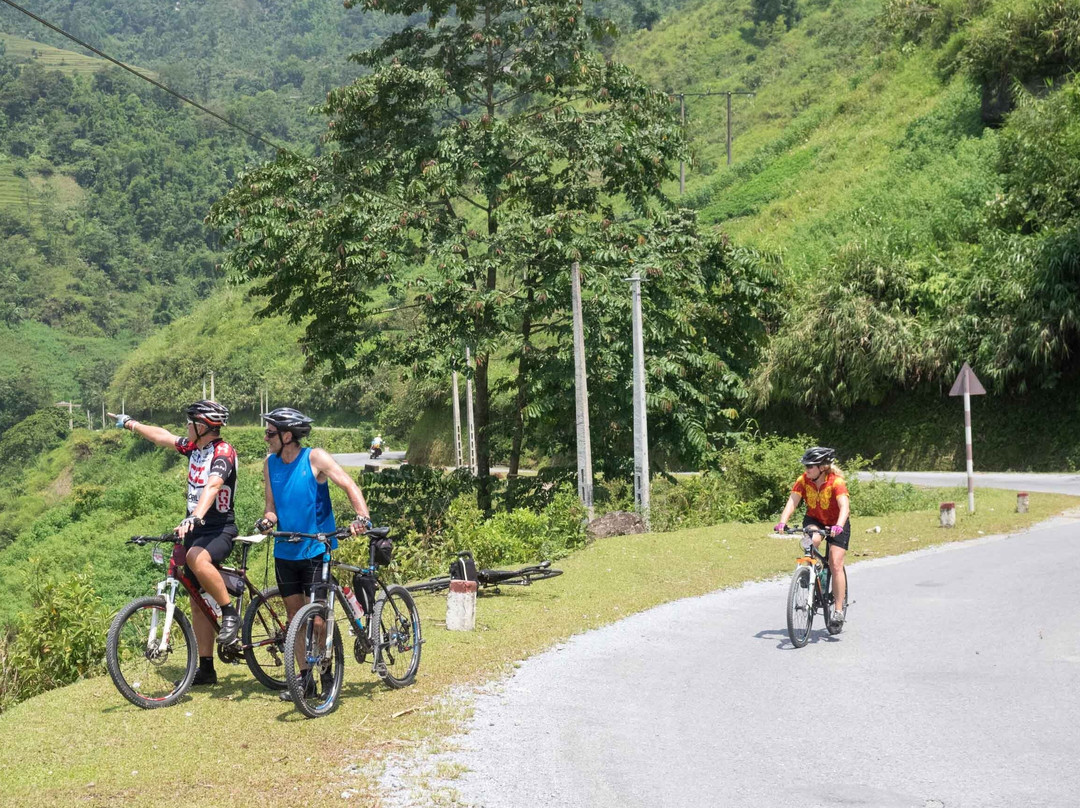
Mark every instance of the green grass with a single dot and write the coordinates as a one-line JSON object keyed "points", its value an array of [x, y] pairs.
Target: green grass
{"points": [[237, 744]]}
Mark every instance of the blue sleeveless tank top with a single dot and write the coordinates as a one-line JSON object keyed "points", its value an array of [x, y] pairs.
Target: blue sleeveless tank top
{"points": [[302, 504]]}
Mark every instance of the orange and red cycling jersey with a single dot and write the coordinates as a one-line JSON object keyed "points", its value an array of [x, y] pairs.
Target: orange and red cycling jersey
{"points": [[820, 499]]}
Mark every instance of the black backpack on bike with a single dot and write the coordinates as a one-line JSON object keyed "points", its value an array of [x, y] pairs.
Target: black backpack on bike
{"points": [[463, 568]]}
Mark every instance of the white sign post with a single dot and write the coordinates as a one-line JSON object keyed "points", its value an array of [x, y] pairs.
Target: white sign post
{"points": [[967, 384]]}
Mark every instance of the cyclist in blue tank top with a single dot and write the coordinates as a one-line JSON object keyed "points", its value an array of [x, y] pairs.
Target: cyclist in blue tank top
{"points": [[298, 500]]}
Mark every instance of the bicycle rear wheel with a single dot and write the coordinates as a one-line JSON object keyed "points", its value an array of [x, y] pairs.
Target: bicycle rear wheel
{"points": [[397, 646], [315, 686], [434, 585], [263, 638], [147, 673], [800, 611]]}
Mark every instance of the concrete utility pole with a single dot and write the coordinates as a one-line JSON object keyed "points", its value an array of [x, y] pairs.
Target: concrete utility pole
{"points": [[682, 117], [457, 425], [473, 465], [581, 396], [641, 427], [212, 386]]}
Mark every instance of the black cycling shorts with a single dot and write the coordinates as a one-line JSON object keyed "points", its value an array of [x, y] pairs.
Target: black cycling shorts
{"points": [[297, 577], [217, 541], [840, 541]]}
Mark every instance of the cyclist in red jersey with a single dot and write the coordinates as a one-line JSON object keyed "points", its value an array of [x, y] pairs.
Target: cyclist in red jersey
{"points": [[209, 528], [828, 507]]}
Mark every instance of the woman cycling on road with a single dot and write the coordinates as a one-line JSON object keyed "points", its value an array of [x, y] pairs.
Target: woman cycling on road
{"points": [[827, 507]]}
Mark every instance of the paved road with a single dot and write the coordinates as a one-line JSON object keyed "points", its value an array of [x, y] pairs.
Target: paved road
{"points": [[956, 683], [1052, 483], [358, 459]]}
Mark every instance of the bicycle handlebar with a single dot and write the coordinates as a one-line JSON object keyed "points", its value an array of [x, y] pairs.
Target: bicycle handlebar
{"points": [[163, 538], [340, 533], [798, 531]]}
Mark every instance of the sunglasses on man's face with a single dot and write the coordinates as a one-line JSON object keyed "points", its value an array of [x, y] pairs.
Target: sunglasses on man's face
{"points": [[271, 432]]}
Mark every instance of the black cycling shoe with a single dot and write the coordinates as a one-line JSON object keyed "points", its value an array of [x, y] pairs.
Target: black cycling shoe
{"points": [[230, 627], [202, 678]]}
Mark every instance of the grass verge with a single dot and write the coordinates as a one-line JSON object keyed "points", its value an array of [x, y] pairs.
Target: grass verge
{"points": [[237, 744]]}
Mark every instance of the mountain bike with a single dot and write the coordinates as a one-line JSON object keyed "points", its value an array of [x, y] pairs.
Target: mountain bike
{"points": [[151, 651], [391, 634], [492, 578], [811, 589]]}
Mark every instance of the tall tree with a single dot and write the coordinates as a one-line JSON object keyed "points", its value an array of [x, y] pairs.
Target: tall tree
{"points": [[473, 133]]}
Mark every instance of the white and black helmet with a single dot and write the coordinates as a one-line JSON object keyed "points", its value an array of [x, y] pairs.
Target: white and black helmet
{"points": [[818, 456], [287, 419], [211, 413]]}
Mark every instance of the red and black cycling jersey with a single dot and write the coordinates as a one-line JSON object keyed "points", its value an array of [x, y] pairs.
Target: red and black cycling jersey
{"points": [[216, 458]]}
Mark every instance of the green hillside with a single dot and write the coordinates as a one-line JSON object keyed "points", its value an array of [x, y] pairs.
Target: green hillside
{"points": [[913, 167]]}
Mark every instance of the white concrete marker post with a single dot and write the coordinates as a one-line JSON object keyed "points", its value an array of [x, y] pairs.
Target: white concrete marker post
{"points": [[461, 606], [948, 514]]}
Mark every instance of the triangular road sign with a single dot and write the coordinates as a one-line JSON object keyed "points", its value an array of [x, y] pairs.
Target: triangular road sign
{"points": [[967, 382]]}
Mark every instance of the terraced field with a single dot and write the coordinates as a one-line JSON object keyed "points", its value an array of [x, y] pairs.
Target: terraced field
{"points": [[53, 58], [15, 192], [24, 196]]}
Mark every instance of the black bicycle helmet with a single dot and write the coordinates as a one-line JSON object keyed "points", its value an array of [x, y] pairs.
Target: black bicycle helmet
{"points": [[287, 419], [208, 412], [818, 456]]}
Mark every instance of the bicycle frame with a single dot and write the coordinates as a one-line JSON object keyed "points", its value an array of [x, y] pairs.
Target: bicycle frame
{"points": [[816, 560], [175, 577], [330, 590]]}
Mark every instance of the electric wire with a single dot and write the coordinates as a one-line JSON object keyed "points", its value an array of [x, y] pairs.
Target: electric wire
{"points": [[199, 106]]}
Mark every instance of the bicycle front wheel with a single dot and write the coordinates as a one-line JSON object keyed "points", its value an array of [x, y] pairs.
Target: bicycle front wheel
{"points": [[263, 638], [537, 575], [397, 646], [800, 611], [147, 672], [314, 681]]}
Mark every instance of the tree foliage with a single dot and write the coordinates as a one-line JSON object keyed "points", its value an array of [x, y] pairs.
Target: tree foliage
{"points": [[482, 154], [769, 11]]}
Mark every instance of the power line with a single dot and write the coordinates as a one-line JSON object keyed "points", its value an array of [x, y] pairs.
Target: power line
{"points": [[199, 106], [143, 76]]}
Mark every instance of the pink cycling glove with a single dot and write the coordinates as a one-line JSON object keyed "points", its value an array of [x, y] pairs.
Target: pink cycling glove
{"points": [[779, 527], [836, 530]]}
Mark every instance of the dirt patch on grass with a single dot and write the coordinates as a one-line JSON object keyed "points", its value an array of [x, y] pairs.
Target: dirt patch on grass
{"points": [[60, 488]]}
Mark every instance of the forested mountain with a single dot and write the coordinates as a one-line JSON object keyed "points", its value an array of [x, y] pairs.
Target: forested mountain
{"points": [[907, 170], [105, 180]]}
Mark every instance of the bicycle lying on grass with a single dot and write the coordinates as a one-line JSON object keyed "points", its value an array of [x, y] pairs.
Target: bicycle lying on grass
{"points": [[151, 650], [490, 578], [811, 588], [391, 635]]}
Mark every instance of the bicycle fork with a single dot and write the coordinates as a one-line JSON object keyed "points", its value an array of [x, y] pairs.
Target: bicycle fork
{"points": [[152, 644]]}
